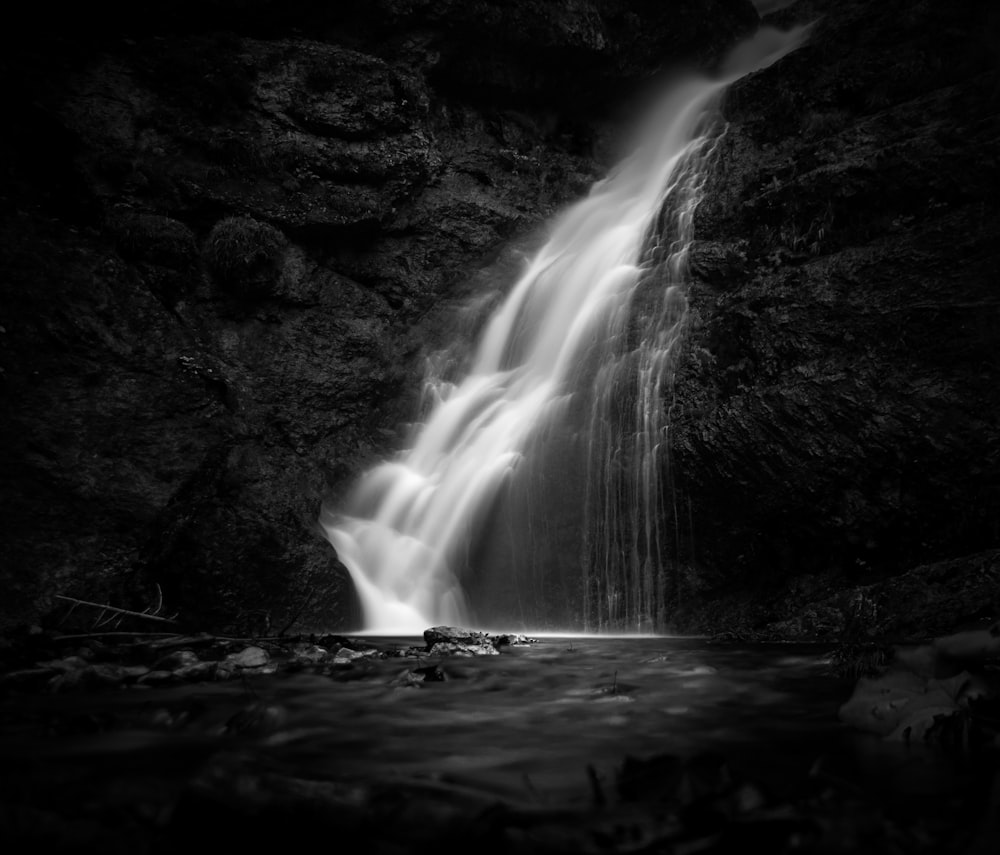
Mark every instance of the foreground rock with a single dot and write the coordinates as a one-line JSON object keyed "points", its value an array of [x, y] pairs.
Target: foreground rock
{"points": [[79, 663], [456, 640], [944, 692]]}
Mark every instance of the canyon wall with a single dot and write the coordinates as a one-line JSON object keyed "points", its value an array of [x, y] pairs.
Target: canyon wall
{"points": [[835, 444], [232, 232]]}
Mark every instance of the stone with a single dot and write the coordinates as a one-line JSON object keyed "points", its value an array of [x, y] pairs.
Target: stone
{"points": [[452, 634], [346, 656], [176, 659], [308, 654], [157, 677], [248, 657], [458, 648], [196, 671]]}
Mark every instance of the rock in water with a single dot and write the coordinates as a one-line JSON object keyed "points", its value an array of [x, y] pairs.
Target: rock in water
{"points": [[454, 635]]}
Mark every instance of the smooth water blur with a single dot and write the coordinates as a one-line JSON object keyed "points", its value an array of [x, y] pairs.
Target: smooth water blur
{"points": [[590, 326], [538, 734], [541, 713], [533, 724], [544, 712]]}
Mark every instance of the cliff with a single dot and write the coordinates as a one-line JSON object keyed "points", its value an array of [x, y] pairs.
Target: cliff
{"points": [[835, 450], [232, 231]]}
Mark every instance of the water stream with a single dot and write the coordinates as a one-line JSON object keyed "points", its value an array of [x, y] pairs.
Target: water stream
{"points": [[582, 349], [585, 744]]}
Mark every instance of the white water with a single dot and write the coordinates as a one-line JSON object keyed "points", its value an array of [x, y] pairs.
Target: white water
{"points": [[563, 330]]}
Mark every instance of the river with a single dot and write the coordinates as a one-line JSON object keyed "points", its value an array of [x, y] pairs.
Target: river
{"points": [[553, 745]]}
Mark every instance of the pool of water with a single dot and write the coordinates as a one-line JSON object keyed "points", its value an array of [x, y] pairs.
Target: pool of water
{"points": [[547, 726], [543, 713]]}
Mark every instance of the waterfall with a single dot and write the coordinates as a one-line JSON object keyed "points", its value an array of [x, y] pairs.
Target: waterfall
{"points": [[583, 347]]}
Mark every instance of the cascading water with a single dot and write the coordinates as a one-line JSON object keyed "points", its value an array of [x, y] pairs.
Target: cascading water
{"points": [[625, 556], [583, 346]]}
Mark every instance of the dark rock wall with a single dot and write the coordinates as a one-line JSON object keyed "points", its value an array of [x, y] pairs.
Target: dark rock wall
{"points": [[838, 403], [232, 230]]}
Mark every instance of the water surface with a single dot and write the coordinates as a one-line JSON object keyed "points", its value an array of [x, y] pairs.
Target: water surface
{"points": [[541, 732]]}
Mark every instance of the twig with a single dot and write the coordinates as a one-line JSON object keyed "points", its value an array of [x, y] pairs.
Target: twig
{"points": [[173, 640], [72, 608], [181, 638], [114, 619], [115, 609], [159, 600]]}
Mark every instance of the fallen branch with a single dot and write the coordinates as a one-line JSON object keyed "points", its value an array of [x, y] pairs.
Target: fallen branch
{"points": [[115, 609], [116, 633]]}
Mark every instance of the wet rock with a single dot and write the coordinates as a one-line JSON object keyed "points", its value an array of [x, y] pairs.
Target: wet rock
{"points": [[456, 648], [70, 663], [197, 671], [176, 659], [157, 677], [248, 657], [135, 672], [453, 634], [308, 654], [89, 677], [413, 678], [108, 674], [180, 665], [407, 680], [431, 674], [453, 640], [512, 640], [902, 706], [249, 660], [347, 656]]}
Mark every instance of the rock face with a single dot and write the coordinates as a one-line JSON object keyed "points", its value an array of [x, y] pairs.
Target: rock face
{"points": [[837, 404], [232, 231]]}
